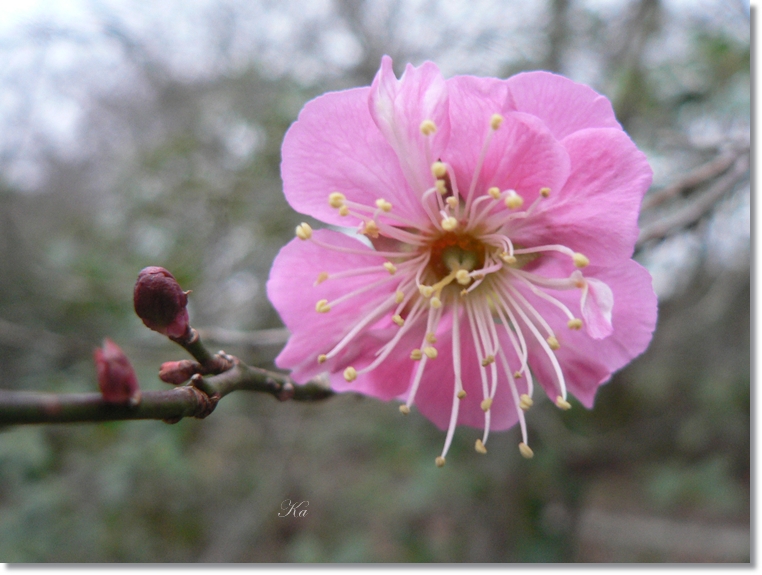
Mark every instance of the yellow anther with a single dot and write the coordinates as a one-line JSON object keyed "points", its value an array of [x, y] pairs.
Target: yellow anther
{"points": [[488, 360], [404, 409], [350, 374], [462, 277], [397, 318], [431, 338], [428, 127], [441, 187], [525, 402], [303, 231], [431, 352], [426, 291], [343, 211], [463, 293], [322, 276], [416, 354], [580, 260], [562, 403], [399, 296], [486, 404], [383, 205], [370, 229], [544, 192], [513, 200], [526, 451], [438, 169], [453, 202], [449, 224], [494, 192], [440, 461], [553, 342], [390, 267], [322, 358], [435, 302], [480, 447], [336, 199], [507, 258], [575, 323], [495, 121], [517, 374], [322, 306], [461, 394]]}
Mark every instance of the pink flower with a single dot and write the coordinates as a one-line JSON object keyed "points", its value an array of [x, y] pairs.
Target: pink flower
{"points": [[499, 219], [116, 377]]}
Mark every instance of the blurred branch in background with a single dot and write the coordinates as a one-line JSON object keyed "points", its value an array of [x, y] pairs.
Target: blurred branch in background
{"points": [[150, 135]]}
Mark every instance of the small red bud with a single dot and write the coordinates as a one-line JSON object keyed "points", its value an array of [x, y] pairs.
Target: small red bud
{"points": [[178, 372], [116, 378], [160, 302]]}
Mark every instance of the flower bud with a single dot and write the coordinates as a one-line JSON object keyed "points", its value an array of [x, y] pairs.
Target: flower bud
{"points": [[160, 302], [116, 378], [178, 372]]}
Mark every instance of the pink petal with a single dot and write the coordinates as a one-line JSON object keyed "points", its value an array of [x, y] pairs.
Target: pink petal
{"points": [[398, 108], [597, 303], [563, 105], [292, 291], [335, 146], [596, 211]]}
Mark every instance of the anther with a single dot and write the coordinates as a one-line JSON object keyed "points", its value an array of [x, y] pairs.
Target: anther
{"points": [[488, 360], [561, 403], [453, 202], [350, 374], [494, 192], [486, 404], [336, 199], [480, 447], [370, 229], [343, 211], [513, 200], [440, 461], [322, 306], [426, 291], [431, 338], [416, 354], [390, 267], [431, 352], [575, 323], [580, 260], [449, 224], [428, 127], [517, 374], [461, 394], [495, 121], [553, 343], [438, 169], [399, 296], [441, 186], [435, 302], [509, 259], [322, 276], [462, 277], [525, 402], [397, 318], [383, 205], [404, 409], [544, 192], [526, 451], [322, 358], [303, 231]]}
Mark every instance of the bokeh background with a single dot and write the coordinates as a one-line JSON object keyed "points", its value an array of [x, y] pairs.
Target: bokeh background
{"points": [[135, 134]]}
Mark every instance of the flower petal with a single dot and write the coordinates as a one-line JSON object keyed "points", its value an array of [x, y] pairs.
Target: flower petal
{"points": [[399, 107], [597, 303], [563, 105], [335, 146]]}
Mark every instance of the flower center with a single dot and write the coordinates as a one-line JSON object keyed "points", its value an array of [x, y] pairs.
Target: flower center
{"points": [[451, 252]]}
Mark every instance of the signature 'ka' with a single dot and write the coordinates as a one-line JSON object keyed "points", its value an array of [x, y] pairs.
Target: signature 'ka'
{"points": [[497, 221]]}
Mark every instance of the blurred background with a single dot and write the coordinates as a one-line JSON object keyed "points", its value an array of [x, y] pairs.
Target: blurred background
{"points": [[135, 134]]}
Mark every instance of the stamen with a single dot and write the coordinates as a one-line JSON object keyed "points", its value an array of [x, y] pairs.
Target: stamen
{"points": [[322, 357], [322, 306], [526, 451], [322, 276], [404, 409], [370, 228], [574, 323], [303, 231], [479, 446], [553, 343], [441, 187], [486, 404], [461, 394], [343, 211], [390, 267], [544, 192], [439, 461], [525, 402], [426, 291], [416, 355], [513, 200], [438, 170], [398, 320], [399, 296], [463, 277], [458, 389], [495, 121], [383, 205], [452, 202], [428, 127], [515, 393], [562, 403], [494, 192], [580, 260], [449, 224], [430, 352], [336, 199], [350, 374]]}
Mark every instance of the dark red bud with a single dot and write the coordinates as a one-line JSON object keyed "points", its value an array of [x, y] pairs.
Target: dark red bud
{"points": [[160, 302], [178, 372], [116, 378]]}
